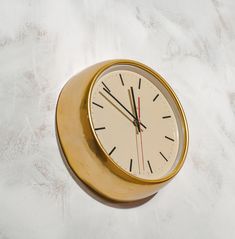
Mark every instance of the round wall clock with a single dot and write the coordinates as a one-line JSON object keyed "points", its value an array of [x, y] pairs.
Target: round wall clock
{"points": [[122, 129]]}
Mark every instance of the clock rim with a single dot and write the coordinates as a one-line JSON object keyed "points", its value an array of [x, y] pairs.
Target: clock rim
{"points": [[110, 162]]}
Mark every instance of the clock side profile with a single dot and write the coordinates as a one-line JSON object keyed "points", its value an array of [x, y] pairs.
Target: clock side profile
{"points": [[83, 153]]}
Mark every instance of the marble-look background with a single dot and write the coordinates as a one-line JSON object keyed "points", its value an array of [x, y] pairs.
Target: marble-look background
{"points": [[43, 43]]}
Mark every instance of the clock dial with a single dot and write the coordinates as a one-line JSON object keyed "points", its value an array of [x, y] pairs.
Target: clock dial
{"points": [[135, 122]]}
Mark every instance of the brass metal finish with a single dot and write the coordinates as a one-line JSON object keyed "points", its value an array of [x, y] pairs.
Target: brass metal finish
{"points": [[82, 150]]}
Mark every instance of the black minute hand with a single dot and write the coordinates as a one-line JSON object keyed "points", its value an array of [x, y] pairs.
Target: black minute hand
{"points": [[123, 106], [136, 116]]}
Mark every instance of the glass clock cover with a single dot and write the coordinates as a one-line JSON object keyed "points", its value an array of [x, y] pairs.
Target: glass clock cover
{"points": [[136, 122]]}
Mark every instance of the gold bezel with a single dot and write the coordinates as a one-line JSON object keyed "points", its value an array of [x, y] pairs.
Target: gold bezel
{"points": [[111, 163]]}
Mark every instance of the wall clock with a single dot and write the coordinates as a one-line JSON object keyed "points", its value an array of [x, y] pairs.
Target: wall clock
{"points": [[122, 129]]}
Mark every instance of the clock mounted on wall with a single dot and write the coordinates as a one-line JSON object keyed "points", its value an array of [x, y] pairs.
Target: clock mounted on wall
{"points": [[122, 129]]}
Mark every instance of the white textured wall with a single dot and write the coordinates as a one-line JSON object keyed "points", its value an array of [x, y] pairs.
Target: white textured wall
{"points": [[42, 43]]}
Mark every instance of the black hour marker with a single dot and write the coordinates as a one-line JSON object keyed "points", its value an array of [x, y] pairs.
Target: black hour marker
{"points": [[163, 156], [150, 167], [97, 105], [166, 117], [106, 87], [130, 165], [169, 138], [139, 83], [100, 128], [121, 79], [112, 151], [155, 97]]}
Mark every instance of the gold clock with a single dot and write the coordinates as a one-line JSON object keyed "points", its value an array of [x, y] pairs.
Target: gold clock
{"points": [[122, 129]]}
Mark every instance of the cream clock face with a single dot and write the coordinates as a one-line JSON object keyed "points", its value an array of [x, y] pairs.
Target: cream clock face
{"points": [[135, 122]]}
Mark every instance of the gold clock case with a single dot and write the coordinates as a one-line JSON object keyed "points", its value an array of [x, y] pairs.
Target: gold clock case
{"points": [[82, 150]]}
